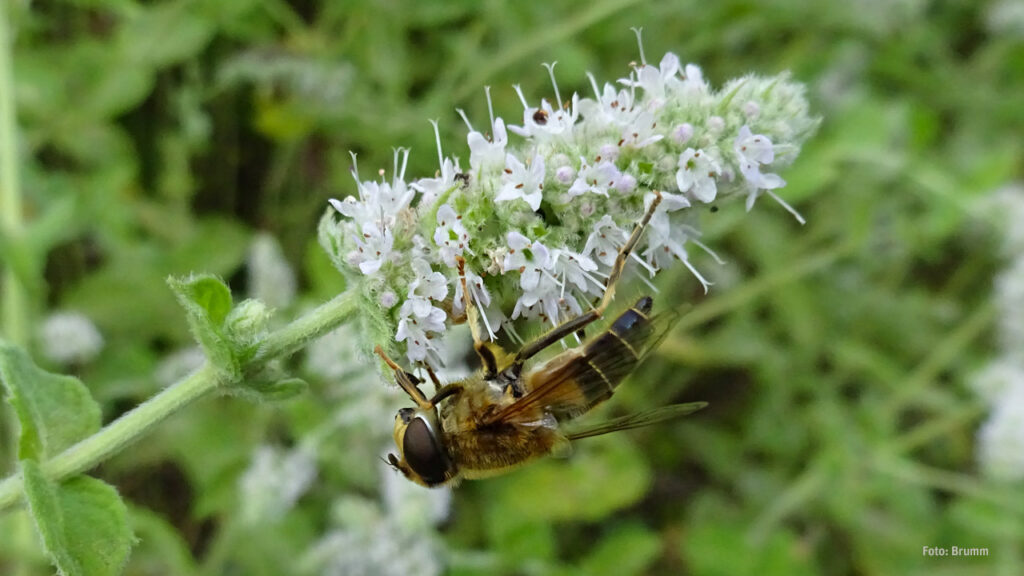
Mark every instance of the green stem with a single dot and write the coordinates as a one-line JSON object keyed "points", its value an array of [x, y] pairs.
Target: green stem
{"points": [[14, 308], [122, 432]]}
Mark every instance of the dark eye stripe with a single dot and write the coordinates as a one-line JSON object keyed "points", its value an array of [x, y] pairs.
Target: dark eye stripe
{"points": [[423, 453]]}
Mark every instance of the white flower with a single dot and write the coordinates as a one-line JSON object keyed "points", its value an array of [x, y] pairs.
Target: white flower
{"points": [[274, 481], [432, 188], [597, 178], [371, 545], [545, 301], [1001, 437], [69, 338], [697, 174], [521, 182], [411, 505], [653, 80], [428, 285], [378, 202], [450, 235], [662, 250], [481, 298], [413, 330], [752, 152], [577, 269], [373, 248], [271, 279], [640, 132], [693, 83], [606, 239], [488, 154], [546, 122], [528, 258], [611, 107]]}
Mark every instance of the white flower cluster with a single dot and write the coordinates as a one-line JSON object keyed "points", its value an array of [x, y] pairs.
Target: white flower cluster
{"points": [[1001, 383], [271, 278], [396, 536], [69, 338], [274, 481], [539, 223]]}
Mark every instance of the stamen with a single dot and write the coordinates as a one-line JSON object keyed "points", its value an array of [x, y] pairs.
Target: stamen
{"points": [[551, 72], [464, 119], [437, 137], [640, 42], [703, 281], [644, 263], [490, 106], [519, 90], [709, 251], [593, 83], [511, 331], [788, 208], [400, 174]]}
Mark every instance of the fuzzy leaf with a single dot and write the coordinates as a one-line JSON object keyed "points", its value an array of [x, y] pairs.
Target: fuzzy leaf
{"points": [[53, 410], [207, 302], [83, 522]]}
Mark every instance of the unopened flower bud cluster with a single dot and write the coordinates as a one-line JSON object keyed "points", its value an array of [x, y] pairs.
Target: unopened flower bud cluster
{"points": [[543, 205]]}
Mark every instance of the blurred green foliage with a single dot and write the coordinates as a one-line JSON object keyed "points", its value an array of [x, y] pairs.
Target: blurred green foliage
{"points": [[156, 138]]}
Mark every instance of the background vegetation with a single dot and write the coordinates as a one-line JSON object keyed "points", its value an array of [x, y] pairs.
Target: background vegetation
{"points": [[176, 136]]}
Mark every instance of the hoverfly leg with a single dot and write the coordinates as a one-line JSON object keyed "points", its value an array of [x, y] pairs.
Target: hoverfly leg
{"points": [[624, 252], [433, 376], [473, 319], [405, 380], [580, 322], [444, 392]]}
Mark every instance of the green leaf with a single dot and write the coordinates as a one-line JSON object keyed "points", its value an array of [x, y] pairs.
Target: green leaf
{"points": [[604, 475], [54, 411], [207, 302], [161, 549], [714, 544], [165, 34], [83, 522], [629, 550]]}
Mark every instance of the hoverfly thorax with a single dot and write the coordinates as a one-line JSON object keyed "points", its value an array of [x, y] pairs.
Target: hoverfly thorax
{"points": [[422, 454]]}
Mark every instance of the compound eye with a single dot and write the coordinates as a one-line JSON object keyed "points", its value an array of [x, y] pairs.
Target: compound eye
{"points": [[423, 452]]}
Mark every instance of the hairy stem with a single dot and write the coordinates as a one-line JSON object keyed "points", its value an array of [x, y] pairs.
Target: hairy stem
{"points": [[120, 433]]}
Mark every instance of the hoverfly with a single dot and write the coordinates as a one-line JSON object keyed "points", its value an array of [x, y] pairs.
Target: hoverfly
{"points": [[502, 416]]}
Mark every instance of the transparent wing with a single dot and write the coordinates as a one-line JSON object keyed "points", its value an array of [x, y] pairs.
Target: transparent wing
{"points": [[635, 420]]}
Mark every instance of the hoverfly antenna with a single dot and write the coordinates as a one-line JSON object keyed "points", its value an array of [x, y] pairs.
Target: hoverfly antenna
{"points": [[391, 460]]}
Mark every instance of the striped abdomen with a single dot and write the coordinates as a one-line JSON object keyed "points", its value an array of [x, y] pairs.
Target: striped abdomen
{"points": [[579, 379]]}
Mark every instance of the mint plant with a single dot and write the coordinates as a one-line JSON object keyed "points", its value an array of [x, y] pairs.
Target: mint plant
{"points": [[537, 216]]}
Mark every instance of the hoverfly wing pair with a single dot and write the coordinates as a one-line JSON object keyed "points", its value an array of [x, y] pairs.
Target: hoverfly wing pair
{"points": [[573, 382], [638, 420]]}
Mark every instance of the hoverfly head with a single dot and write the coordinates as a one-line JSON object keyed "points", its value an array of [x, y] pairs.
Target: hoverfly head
{"points": [[422, 455]]}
